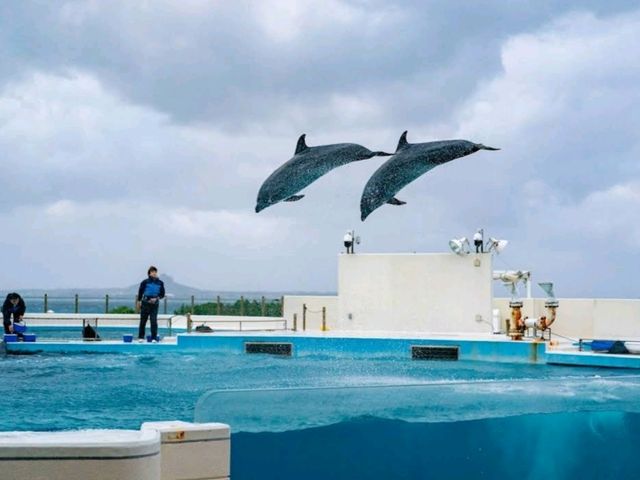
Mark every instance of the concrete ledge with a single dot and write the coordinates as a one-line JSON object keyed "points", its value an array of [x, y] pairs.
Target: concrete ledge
{"points": [[591, 359]]}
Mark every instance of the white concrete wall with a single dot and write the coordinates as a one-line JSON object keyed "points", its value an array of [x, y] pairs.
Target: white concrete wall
{"points": [[294, 303], [585, 317], [436, 293]]}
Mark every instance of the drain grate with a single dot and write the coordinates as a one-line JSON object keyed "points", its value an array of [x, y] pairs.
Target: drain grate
{"points": [[434, 352], [271, 348]]}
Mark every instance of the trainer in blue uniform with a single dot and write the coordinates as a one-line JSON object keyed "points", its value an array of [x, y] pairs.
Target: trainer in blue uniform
{"points": [[150, 293], [15, 307]]}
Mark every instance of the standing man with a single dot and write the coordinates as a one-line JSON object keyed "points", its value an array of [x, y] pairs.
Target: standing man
{"points": [[150, 293], [348, 242], [13, 306], [478, 241]]}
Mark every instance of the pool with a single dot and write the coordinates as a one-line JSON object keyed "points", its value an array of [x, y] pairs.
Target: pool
{"points": [[54, 391]]}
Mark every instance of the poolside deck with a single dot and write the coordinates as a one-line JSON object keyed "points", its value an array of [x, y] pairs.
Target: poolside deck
{"points": [[476, 347]]}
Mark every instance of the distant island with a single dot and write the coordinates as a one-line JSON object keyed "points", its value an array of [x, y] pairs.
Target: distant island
{"points": [[172, 287]]}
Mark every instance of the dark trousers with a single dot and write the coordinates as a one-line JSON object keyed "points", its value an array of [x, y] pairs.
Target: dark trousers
{"points": [[6, 320], [349, 246], [149, 311], [478, 244]]}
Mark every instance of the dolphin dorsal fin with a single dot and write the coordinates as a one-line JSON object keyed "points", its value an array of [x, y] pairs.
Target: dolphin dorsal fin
{"points": [[402, 143], [302, 145]]}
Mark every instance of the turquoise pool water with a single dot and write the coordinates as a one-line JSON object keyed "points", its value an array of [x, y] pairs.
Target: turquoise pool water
{"points": [[458, 420]]}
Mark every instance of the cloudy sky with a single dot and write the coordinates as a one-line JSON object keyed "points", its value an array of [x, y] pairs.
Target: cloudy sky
{"points": [[139, 132]]}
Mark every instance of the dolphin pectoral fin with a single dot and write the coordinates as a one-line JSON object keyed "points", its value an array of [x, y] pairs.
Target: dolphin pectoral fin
{"points": [[294, 198], [395, 201]]}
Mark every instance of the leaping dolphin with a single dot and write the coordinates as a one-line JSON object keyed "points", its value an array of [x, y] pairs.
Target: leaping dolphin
{"points": [[410, 161], [306, 166]]}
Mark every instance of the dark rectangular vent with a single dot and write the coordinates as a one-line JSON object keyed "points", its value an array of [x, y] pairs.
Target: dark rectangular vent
{"points": [[434, 352], [272, 348]]}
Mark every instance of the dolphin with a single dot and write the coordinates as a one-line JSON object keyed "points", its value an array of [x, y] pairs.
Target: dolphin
{"points": [[306, 166], [410, 161]]}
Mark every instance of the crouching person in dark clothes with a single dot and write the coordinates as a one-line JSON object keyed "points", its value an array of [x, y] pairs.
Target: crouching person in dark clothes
{"points": [[150, 293], [15, 307]]}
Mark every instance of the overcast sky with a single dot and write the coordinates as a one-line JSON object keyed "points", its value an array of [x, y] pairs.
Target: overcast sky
{"points": [[139, 132]]}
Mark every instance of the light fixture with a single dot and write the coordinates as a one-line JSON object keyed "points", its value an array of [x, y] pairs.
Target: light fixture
{"points": [[496, 245], [459, 246]]}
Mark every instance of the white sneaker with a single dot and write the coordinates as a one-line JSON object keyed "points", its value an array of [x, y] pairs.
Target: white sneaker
{"points": [[154, 341], [141, 340]]}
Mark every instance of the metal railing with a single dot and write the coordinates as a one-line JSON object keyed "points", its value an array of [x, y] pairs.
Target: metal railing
{"points": [[274, 323], [74, 304], [95, 320]]}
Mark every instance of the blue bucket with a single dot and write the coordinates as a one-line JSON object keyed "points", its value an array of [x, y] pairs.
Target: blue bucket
{"points": [[127, 338], [29, 337], [19, 328], [10, 338]]}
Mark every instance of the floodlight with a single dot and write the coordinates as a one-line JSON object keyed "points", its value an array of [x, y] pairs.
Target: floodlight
{"points": [[457, 245], [497, 245]]}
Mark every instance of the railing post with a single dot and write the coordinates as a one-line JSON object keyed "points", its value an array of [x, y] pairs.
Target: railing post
{"points": [[324, 319], [242, 306], [295, 322], [282, 306], [170, 322], [106, 303], [263, 306], [46, 303], [240, 325], [188, 322], [218, 306], [193, 303], [304, 317], [76, 304]]}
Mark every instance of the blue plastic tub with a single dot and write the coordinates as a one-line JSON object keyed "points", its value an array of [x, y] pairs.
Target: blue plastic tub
{"points": [[29, 337], [19, 328], [10, 338], [127, 338]]}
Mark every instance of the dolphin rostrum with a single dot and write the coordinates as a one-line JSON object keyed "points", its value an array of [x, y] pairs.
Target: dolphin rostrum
{"points": [[306, 166], [410, 161]]}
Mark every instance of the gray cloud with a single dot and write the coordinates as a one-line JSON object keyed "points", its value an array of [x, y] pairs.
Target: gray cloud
{"points": [[138, 132]]}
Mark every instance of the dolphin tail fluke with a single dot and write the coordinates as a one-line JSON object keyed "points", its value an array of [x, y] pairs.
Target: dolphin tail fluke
{"points": [[395, 201], [382, 154], [294, 198]]}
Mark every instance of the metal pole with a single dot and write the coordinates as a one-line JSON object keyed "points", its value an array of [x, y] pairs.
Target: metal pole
{"points": [[304, 317], [282, 306], [106, 303], [170, 322], [242, 306], [263, 306], [193, 303], [77, 304], [46, 303], [295, 322], [218, 306], [240, 325], [188, 323], [324, 319]]}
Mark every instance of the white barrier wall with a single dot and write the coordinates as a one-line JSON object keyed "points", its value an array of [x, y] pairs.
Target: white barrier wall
{"points": [[436, 293], [293, 304], [585, 317]]}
